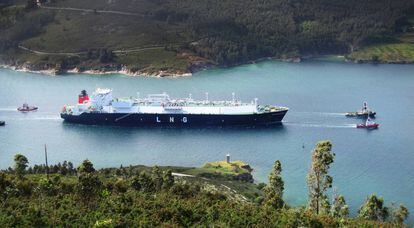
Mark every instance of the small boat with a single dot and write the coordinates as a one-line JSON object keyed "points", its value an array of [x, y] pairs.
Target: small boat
{"points": [[364, 112], [27, 108], [2, 123], [369, 124]]}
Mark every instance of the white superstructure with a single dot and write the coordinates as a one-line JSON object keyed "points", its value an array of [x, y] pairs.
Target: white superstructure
{"points": [[102, 101]]}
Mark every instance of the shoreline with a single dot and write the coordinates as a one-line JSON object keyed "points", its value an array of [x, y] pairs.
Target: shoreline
{"points": [[52, 72], [161, 74]]}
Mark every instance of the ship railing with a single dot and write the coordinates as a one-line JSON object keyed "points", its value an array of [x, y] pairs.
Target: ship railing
{"points": [[158, 97], [187, 102], [222, 103], [173, 108]]}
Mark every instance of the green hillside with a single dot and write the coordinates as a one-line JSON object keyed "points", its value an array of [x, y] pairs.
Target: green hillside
{"points": [[178, 36], [140, 196], [396, 49]]}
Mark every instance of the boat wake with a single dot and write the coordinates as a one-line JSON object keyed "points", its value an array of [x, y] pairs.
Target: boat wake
{"points": [[47, 118], [323, 113], [34, 118], [316, 125], [8, 109]]}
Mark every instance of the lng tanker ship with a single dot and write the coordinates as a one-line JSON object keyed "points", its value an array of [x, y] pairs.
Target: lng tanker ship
{"points": [[160, 109]]}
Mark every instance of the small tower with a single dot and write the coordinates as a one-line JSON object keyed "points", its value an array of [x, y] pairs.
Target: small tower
{"points": [[228, 158]]}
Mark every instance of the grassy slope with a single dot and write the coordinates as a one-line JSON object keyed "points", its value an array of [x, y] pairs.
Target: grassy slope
{"points": [[232, 168], [218, 183], [88, 30], [401, 49], [154, 60], [82, 31]]}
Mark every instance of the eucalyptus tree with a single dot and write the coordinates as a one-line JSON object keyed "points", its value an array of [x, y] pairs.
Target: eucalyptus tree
{"points": [[339, 207], [400, 214], [168, 179], [318, 178], [20, 164], [89, 185], [86, 167], [374, 209], [157, 177], [274, 190]]}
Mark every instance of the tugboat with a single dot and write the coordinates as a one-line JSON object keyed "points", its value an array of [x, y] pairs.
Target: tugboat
{"points": [[2, 123], [365, 112], [26, 108], [369, 124]]}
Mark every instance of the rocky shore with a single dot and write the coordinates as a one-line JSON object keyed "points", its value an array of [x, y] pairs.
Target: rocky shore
{"points": [[195, 66], [104, 71], [379, 61], [65, 66]]}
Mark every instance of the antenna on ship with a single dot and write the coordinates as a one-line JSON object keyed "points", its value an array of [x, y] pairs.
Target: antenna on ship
{"points": [[233, 95], [207, 96], [189, 96], [255, 101]]}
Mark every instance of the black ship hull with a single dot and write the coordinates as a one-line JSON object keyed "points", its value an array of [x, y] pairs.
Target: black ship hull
{"points": [[180, 120]]}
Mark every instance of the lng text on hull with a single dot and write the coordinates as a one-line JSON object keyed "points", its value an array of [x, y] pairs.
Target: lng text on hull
{"points": [[160, 109]]}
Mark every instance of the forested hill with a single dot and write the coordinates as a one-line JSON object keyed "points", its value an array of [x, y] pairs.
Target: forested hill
{"points": [[179, 34]]}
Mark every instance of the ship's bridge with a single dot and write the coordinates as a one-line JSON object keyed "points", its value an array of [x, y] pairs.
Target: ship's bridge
{"points": [[101, 97]]}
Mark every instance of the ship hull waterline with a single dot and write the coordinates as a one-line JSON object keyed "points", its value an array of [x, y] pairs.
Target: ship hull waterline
{"points": [[179, 119]]}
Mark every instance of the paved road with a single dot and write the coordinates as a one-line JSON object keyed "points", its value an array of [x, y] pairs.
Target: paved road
{"points": [[121, 51], [50, 53], [182, 175], [93, 11]]}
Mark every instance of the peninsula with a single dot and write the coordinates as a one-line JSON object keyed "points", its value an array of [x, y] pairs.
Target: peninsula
{"points": [[62, 195]]}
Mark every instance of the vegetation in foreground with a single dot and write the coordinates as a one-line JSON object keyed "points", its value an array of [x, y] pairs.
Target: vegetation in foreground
{"points": [[143, 196], [179, 36]]}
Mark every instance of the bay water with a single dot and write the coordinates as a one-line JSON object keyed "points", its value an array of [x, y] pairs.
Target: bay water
{"points": [[318, 94]]}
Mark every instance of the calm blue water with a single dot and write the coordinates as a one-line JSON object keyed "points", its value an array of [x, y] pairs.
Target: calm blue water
{"points": [[317, 93]]}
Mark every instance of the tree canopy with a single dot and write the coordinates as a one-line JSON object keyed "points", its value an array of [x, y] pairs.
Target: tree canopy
{"points": [[318, 178], [274, 190], [374, 209], [225, 32], [152, 197], [20, 163], [86, 167]]}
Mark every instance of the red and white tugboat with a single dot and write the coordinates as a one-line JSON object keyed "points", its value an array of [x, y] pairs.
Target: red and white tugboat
{"points": [[26, 108], [369, 124]]}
